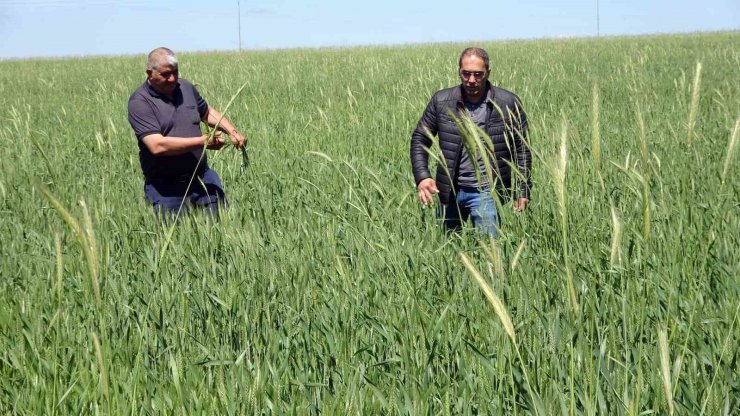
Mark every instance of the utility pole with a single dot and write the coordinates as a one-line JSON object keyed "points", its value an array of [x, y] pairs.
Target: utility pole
{"points": [[597, 19], [239, 21]]}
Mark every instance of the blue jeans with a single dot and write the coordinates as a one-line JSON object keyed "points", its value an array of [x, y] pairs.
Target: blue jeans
{"points": [[166, 195], [474, 203]]}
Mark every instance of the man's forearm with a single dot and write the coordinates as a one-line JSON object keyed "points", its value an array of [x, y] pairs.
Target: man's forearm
{"points": [[524, 162], [173, 146], [419, 151], [214, 116]]}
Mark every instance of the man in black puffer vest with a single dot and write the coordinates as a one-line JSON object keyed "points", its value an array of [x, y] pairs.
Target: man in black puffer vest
{"points": [[465, 180]]}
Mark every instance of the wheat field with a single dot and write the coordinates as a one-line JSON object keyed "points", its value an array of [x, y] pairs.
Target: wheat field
{"points": [[326, 289]]}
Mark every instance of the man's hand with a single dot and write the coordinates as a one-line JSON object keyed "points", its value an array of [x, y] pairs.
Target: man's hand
{"points": [[520, 204], [238, 139], [216, 142], [427, 188]]}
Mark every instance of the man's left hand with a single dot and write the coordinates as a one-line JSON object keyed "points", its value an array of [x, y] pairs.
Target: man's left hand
{"points": [[238, 139], [520, 204]]}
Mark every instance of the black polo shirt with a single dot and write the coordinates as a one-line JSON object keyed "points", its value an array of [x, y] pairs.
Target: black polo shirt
{"points": [[152, 113]]}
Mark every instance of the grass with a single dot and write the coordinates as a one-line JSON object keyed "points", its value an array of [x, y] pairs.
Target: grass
{"points": [[326, 289]]}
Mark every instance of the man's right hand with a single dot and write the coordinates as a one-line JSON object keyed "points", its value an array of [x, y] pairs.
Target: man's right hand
{"points": [[427, 188], [216, 142]]}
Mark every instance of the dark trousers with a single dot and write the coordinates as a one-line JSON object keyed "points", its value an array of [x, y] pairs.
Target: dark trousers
{"points": [[167, 195], [472, 203]]}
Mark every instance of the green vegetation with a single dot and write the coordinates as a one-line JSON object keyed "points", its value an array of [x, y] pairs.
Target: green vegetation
{"points": [[327, 289]]}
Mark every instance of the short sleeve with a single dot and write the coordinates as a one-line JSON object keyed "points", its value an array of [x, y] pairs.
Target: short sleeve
{"points": [[142, 118], [200, 102]]}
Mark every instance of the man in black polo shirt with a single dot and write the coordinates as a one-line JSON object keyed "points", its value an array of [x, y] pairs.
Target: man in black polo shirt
{"points": [[165, 113], [464, 185]]}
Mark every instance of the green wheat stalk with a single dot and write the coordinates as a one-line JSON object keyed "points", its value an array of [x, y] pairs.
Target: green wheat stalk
{"points": [[560, 170], [665, 368], [595, 129], [694, 107], [85, 238], [730, 151], [503, 316]]}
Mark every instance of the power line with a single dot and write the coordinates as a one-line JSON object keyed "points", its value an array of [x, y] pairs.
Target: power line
{"points": [[46, 3]]}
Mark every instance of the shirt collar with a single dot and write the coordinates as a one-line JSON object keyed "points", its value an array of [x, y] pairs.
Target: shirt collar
{"points": [[156, 94]]}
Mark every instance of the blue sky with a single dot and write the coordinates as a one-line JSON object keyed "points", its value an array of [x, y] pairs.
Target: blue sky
{"points": [[33, 28]]}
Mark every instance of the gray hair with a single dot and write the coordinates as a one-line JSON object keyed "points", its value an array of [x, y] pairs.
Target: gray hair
{"points": [[479, 52], [159, 56]]}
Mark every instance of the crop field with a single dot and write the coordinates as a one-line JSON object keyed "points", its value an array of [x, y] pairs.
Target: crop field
{"points": [[326, 288]]}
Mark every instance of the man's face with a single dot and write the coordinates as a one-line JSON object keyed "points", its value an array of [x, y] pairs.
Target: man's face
{"points": [[473, 74], [163, 79]]}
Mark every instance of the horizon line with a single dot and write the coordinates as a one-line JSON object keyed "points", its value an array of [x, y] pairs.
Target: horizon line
{"points": [[391, 45]]}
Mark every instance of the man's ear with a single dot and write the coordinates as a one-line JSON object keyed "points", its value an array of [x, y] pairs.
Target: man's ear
{"points": [[148, 72]]}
